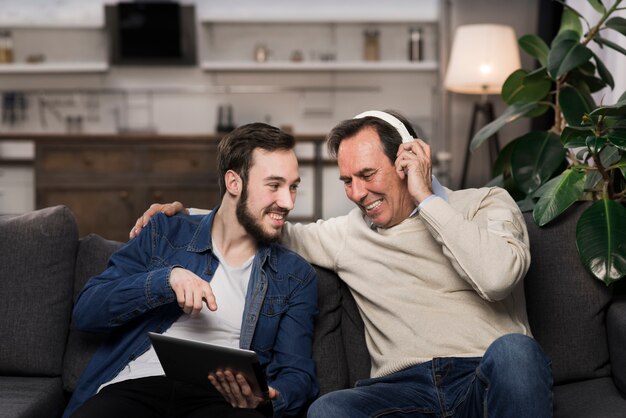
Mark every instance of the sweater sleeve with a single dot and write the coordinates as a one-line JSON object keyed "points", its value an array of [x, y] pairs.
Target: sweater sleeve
{"points": [[487, 243], [319, 243]]}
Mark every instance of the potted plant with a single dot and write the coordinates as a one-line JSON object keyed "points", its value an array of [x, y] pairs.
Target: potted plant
{"points": [[582, 157]]}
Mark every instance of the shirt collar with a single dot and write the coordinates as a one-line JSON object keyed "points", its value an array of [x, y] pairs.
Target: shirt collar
{"points": [[201, 241]]}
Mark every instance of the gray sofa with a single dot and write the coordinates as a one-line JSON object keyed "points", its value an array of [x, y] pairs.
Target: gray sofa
{"points": [[43, 264]]}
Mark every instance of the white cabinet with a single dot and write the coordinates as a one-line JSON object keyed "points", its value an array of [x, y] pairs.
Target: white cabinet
{"points": [[17, 189]]}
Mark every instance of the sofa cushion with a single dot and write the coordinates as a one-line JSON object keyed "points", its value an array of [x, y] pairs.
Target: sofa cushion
{"points": [[40, 248], [93, 255], [353, 330], [590, 398], [31, 397], [566, 306]]}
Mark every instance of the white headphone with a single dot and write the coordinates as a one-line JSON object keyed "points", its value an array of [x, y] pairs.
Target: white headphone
{"points": [[390, 119]]}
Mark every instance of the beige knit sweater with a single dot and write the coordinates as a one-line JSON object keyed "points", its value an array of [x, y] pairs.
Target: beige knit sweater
{"points": [[446, 282]]}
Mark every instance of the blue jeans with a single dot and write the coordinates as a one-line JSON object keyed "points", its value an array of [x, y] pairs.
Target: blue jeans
{"points": [[512, 379]]}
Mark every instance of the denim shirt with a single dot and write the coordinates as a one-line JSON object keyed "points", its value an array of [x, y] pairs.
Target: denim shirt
{"points": [[133, 297]]}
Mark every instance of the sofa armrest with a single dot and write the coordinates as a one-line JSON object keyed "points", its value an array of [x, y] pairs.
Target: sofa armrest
{"points": [[616, 329]]}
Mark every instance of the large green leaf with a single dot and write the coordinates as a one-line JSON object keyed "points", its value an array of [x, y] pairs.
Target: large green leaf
{"points": [[592, 180], [528, 87], [566, 54], [574, 104], [534, 159], [502, 171], [603, 41], [609, 156], [559, 194], [584, 82], [512, 85], [570, 20], [512, 113], [604, 73], [598, 6], [617, 23], [574, 137], [534, 46], [618, 109], [588, 68], [601, 240], [595, 143], [617, 137]]}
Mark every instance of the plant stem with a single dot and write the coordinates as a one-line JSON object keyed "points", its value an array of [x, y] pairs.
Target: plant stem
{"points": [[558, 117], [605, 175], [603, 19]]}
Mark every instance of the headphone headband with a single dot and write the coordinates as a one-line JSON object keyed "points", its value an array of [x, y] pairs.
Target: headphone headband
{"points": [[390, 119]]}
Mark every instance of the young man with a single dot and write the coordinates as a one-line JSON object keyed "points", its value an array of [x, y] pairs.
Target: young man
{"points": [[258, 295], [438, 278]]}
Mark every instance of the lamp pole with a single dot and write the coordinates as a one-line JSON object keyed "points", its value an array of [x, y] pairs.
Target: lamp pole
{"points": [[483, 108]]}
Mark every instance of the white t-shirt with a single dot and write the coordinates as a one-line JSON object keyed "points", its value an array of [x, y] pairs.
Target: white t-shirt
{"points": [[223, 326]]}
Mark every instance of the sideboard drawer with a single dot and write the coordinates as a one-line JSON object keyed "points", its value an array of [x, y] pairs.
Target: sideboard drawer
{"points": [[189, 159], [86, 159]]}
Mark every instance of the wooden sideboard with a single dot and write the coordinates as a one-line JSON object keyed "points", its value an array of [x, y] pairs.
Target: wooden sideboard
{"points": [[109, 180]]}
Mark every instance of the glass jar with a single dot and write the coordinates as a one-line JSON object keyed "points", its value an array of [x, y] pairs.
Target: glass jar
{"points": [[6, 46], [415, 45], [371, 45]]}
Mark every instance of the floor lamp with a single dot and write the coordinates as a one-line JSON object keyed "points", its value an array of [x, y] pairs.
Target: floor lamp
{"points": [[481, 59]]}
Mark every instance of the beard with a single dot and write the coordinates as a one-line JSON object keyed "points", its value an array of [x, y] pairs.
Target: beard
{"points": [[252, 225]]}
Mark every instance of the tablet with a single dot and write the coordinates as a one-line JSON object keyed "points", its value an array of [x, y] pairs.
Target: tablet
{"points": [[192, 361]]}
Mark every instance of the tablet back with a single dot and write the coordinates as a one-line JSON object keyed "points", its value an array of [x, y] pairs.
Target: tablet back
{"points": [[192, 361]]}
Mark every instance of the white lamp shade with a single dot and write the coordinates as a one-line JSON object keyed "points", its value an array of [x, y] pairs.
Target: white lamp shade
{"points": [[482, 57]]}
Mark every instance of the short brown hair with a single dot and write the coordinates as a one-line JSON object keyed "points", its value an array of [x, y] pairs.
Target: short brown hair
{"points": [[234, 151]]}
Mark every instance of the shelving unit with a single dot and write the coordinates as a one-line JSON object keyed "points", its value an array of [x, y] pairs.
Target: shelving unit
{"points": [[322, 41], [64, 47]]}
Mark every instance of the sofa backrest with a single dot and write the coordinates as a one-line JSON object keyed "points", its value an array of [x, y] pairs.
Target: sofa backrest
{"points": [[37, 253], [566, 306], [339, 349], [91, 259], [566, 310]]}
